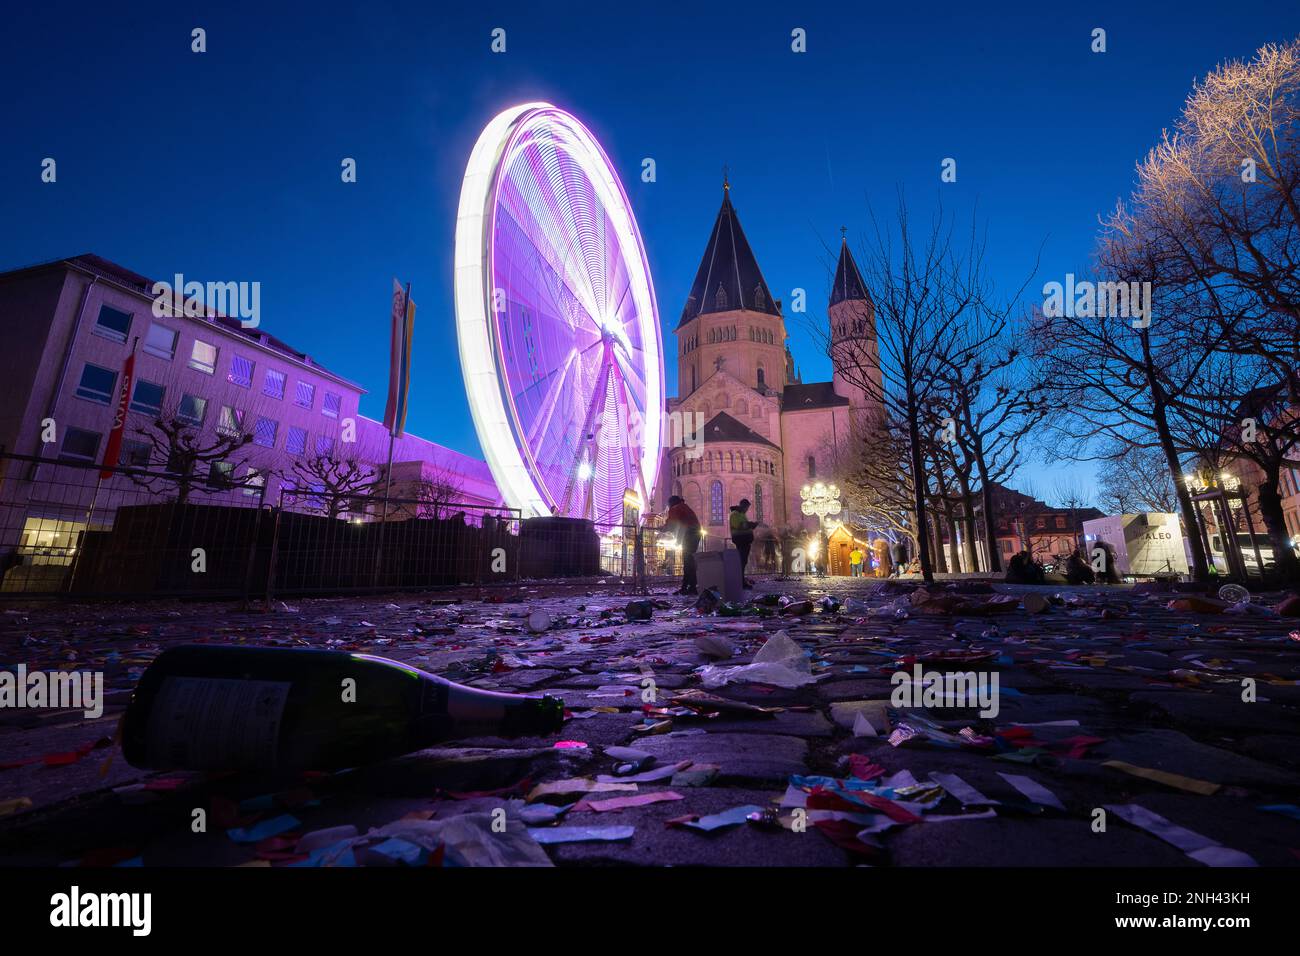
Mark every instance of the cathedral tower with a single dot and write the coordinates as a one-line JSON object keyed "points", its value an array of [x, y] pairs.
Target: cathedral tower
{"points": [[730, 320], [853, 349]]}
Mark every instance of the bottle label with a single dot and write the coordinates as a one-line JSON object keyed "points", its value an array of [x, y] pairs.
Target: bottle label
{"points": [[216, 723]]}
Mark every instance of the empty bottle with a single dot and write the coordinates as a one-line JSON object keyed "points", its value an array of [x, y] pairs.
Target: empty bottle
{"points": [[254, 708]]}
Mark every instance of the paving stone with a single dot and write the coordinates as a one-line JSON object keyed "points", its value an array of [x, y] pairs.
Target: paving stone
{"points": [[740, 756]]}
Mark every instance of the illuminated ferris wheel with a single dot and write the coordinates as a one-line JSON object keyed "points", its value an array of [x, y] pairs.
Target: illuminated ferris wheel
{"points": [[556, 319]]}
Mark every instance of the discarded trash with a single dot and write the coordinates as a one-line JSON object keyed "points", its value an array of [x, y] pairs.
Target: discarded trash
{"points": [[563, 788], [1178, 781], [1033, 790], [539, 621], [623, 803], [640, 610], [1201, 605], [1035, 603], [207, 707], [696, 775], [471, 839], [862, 726], [1233, 594], [630, 760], [1199, 848], [549, 835], [855, 606], [708, 601], [711, 645], [720, 821], [797, 608], [780, 662]]}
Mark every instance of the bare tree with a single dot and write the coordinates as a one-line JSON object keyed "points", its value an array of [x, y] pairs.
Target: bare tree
{"points": [[1215, 224], [1134, 479], [436, 491], [924, 289], [193, 441], [332, 475]]}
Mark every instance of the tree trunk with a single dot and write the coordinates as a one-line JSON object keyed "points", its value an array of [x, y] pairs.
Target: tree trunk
{"points": [[968, 529], [954, 556], [918, 495], [1159, 414], [936, 532], [1270, 509], [986, 493]]}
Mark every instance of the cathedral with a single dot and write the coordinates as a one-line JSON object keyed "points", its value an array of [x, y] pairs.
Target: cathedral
{"points": [[766, 434]]}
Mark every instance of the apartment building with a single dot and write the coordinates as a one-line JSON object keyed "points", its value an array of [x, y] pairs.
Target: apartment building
{"points": [[68, 327]]}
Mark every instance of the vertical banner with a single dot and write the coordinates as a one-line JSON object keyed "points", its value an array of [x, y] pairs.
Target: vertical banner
{"points": [[114, 447], [399, 370]]}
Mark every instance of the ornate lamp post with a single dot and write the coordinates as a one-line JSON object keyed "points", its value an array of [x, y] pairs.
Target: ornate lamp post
{"points": [[820, 499]]}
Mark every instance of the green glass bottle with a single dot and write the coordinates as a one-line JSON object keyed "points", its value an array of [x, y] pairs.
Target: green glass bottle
{"points": [[255, 708]]}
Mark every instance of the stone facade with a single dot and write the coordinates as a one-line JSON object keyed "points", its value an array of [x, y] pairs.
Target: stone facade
{"points": [[762, 432]]}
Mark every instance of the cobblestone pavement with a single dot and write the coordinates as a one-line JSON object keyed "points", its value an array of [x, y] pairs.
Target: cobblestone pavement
{"points": [[1108, 700]]}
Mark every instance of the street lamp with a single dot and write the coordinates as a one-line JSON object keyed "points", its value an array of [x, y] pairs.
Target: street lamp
{"points": [[820, 500]]}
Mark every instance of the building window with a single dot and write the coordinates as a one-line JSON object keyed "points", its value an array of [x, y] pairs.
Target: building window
{"points": [[1006, 546], [264, 432], [295, 443], [324, 446], [758, 502], [80, 445], [762, 377], [148, 397], [191, 409], [715, 503], [812, 467], [113, 323], [135, 454], [1060, 521], [304, 394], [241, 371], [232, 422], [203, 357], [161, 341], [273, 384], [97, 384], [331, 404], [254, 482], [219, 474]]}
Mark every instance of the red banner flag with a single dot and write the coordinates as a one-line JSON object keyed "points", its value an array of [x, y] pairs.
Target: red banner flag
{"points": [[114, 448]]}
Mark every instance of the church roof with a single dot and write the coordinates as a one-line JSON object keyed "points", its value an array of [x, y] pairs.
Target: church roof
{"points": [[812, 395], [722, 427], [728, 277], [848, 283]]}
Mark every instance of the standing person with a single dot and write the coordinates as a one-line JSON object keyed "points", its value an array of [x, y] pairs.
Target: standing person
{"points": [[900, 558], [682, 521], [769, 553], [742, 535], [855, 562]]}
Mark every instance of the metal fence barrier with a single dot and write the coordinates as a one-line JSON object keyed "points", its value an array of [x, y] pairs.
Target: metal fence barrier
{"points": [[65, 531]]}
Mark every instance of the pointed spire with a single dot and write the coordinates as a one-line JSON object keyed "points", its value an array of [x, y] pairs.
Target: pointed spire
{"points": [[848, 283], [728, 277]]}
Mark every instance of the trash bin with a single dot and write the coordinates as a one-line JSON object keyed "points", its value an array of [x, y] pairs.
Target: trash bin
{"points": [[721, 570]]}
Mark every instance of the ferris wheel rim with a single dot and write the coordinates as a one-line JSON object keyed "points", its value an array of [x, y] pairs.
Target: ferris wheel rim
{"points": [[504, 441]]}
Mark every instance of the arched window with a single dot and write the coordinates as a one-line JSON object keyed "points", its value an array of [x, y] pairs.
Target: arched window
{"points": [[715, 503], [758, 501], [720, 298], [762, 377]]}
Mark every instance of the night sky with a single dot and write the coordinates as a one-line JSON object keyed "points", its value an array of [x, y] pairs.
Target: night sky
{"points": [[225, 165]]}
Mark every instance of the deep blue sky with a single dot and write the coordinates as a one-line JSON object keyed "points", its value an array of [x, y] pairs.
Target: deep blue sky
{"points": [[225, 166]]}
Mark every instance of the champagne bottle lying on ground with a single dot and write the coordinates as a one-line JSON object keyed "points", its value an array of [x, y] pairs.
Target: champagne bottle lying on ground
{"points": [[256, 708]]}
